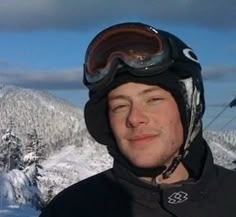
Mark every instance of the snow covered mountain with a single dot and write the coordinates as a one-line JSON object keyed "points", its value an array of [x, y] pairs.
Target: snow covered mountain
{"points": [[72, 154], [61, 128], [55, 120]]}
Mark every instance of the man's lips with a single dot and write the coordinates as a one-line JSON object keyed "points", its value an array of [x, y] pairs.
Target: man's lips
{"points": [[143, 137]]}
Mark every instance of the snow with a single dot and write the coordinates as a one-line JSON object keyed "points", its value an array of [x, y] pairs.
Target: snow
{"points": [[68, 166], [4, 89], [17, 211], [227, 152], [7, 207], [73, 164]]}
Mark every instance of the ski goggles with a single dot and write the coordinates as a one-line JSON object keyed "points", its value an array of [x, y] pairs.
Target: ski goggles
{"points": [[142, 49]]}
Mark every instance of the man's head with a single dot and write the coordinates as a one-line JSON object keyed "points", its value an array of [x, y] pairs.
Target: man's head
{"points": [[146, 124], [138, 55]]}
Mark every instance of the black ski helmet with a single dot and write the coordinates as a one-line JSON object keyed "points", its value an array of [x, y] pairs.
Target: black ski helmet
{"points": [[182, 78]]}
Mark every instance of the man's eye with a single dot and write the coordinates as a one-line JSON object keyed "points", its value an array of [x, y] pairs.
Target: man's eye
{"points": [[118, 108], [155, 99]]}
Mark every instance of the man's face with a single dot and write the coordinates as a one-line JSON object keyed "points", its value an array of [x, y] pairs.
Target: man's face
{"points": [[146, 123]]}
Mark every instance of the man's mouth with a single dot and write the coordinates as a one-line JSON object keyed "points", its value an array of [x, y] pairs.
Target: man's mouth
{"points": [[142, 138]]}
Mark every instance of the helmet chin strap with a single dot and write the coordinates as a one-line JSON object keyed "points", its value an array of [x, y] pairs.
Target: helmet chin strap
{"points": [[174, 164], [193, 129]]}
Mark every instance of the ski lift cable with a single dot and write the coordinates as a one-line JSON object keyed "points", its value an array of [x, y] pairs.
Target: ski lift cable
{"points": [[231, 104], [227, 123], [218, 115]]}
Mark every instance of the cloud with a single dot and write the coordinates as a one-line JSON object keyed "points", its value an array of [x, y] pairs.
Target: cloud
{"points": [[4, 63], [25, 15], [61, 80], [220, 73]]}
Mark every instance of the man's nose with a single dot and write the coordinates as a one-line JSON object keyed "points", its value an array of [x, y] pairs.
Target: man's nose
{"points": [[137, 115]]}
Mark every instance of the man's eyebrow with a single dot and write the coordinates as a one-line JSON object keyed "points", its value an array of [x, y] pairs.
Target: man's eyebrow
{"points": [[120, 96], [142, 92], [151, 89]]}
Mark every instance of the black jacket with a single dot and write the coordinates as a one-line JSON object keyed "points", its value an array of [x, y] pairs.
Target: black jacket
{"points": [[117, 193]]}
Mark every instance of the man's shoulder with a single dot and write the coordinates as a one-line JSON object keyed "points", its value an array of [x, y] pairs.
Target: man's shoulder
{"points": [[226, 177], [226, 171], [90, 186], [98, 195], [84, 198]]}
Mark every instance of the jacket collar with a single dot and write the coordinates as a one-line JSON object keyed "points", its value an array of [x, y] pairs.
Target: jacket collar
{"points": [[189, 190]]}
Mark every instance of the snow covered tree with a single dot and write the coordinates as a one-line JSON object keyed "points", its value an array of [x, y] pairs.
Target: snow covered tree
{"points": [[16, 187], [4, 155], [34, 150], [11, 156]]}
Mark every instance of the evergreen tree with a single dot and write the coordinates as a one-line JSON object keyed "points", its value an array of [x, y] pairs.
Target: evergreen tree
{"points": [[34, 150], [11, 156], [4, 154], [33, 155]]}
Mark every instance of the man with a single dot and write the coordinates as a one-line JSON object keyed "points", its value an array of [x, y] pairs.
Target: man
{"points": [[146, 105]]}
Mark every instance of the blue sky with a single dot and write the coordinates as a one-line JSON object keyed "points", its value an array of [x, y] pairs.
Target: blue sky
{"points": [[43, 43]]}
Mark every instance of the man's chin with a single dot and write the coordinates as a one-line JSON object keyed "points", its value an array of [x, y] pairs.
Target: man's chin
{"points": [[145, 164]]}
